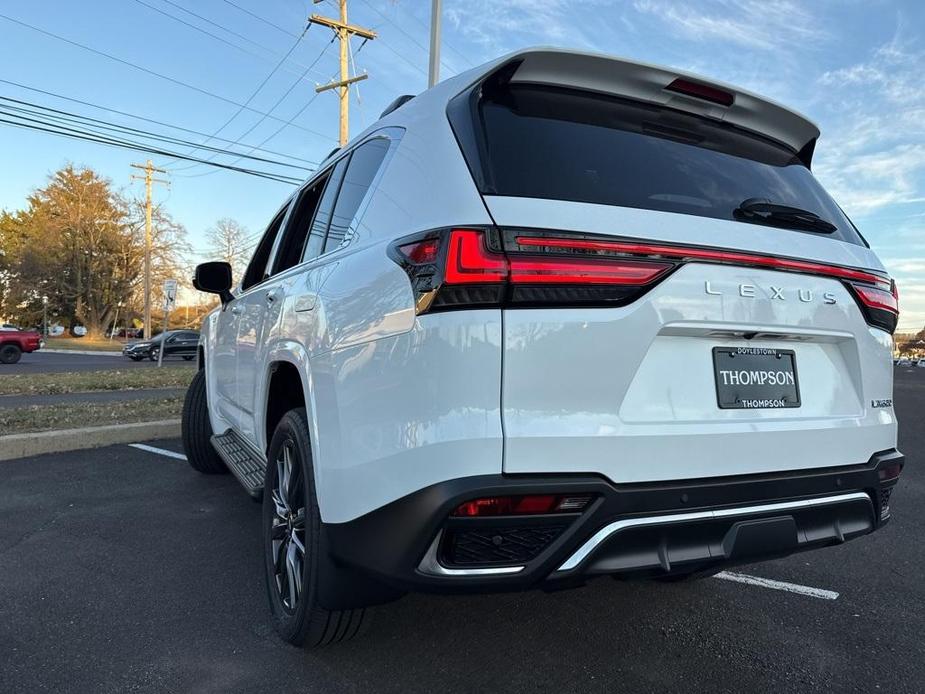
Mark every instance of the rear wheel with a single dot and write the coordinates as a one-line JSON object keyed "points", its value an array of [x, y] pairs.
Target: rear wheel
{"points": [[292, 530], [10, 354], [196, 429]]}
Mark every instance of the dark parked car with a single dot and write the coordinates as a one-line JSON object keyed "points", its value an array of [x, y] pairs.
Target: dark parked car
{"points": [[178, 343]]}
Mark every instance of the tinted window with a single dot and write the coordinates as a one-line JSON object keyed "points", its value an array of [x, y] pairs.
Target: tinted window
{"points": [[257, 270], [314, 244], [567, 145], [364, 163], [294, 237]]}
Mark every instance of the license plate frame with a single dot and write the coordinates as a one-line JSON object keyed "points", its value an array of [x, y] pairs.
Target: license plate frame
{"points": [[754, 385]]}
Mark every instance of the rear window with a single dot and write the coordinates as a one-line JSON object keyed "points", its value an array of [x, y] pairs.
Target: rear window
{"points": [[545, 142]]}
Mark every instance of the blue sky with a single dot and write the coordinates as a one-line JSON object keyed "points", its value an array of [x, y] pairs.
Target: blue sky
{"points": [[854, 66]]}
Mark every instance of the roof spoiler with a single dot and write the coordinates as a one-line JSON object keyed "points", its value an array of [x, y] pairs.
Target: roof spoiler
{"points": [[666, 87]]}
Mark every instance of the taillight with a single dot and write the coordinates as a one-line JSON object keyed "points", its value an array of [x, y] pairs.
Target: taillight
{"points": [[459, 268], [529, 504], [879, 305], [701, 91], [471, 268]]}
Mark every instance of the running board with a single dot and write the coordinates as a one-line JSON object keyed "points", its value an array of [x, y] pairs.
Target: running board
{"points": [[242, 460]]}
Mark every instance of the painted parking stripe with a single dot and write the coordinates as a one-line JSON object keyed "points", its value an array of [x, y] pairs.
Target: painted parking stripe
{"points": [[808, 591], [158, 451]]}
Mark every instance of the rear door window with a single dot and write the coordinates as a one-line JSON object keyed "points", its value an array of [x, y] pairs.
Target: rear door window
{"points": [[561, 144]]}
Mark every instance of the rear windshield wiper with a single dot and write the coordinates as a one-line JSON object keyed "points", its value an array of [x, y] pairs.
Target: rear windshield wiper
{"points": [[763, 211]]}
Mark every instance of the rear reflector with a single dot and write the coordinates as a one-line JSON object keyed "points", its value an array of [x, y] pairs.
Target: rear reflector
{"points": [[531, 504], [701, 91]]}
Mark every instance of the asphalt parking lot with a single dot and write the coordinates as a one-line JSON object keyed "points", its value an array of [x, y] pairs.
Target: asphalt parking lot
{"points": [[122, 570], [57, 362]]}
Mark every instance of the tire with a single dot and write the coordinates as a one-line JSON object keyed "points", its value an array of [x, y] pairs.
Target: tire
{"points": [[10, 354], [153, 355], [196, 429], [290, 518]]}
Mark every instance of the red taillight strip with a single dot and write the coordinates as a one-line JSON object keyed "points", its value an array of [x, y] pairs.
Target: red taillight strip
{"points": [[559, 270], [707, 254], [877, 298]]}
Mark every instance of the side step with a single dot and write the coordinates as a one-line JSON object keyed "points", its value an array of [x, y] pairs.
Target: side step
{"points": [[242, 460]]}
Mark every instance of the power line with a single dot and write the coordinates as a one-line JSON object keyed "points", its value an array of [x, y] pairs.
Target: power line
{"points": [[140, 147], [221, 39], [148, 120], [152, 72], [259, 18], [87, 121], [278, 101]]}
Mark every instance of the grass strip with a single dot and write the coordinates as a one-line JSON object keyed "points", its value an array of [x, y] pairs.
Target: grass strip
{"points": [[86, 414], [90, 381]]}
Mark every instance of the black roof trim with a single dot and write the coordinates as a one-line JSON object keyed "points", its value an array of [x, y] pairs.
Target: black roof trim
{"points": [[397, 103]]}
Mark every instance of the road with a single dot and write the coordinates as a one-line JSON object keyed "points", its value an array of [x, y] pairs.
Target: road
{"points": [[46, 362], [122, 570]]}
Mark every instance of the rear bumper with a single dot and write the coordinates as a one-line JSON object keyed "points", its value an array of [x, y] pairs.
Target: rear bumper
{"points": [[641, 530]]}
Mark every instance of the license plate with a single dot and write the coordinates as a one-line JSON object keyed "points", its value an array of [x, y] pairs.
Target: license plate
{"points": [[755, 378]]}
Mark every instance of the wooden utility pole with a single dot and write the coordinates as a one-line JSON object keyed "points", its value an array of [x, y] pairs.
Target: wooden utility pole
{"points": [[343, 30], [433, 74], [149, 179]]}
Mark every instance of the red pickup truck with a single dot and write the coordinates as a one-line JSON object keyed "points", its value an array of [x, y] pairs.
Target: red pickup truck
{"points": [[14, 342]]}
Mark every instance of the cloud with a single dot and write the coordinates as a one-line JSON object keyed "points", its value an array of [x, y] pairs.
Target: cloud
{"points": [[502, 26], [875, 156], [757, 24]]}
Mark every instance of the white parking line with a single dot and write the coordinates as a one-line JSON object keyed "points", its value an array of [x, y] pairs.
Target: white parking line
{"points": [[158, 451], [778, 585]]}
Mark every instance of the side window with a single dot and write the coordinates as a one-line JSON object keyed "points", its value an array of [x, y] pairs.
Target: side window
{"points": [[257, 270], [314, 244], [290, 249], [364, 163]]}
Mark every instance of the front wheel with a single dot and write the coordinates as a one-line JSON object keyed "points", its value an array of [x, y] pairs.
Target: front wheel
{"points": [[153, 355], [10, 354], [292, 530]]}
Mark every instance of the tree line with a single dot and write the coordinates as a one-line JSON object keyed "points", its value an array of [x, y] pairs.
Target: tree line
{"points": [[81, 243]]}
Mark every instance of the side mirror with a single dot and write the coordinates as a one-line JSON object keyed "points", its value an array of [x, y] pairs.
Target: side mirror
{"points": [[214, 278]]}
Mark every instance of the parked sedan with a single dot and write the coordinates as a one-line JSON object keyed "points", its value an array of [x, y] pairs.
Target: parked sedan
{"points": [[178, 343]]}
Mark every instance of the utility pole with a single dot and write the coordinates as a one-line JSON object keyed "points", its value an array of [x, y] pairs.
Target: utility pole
{"points": [[343, 30], [433, 74], [149, 179]]}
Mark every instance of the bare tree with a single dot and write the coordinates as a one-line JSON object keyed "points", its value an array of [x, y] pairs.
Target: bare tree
{"points": [[228, 241]]}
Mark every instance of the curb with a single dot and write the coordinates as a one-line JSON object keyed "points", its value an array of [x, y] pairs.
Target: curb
{"points": [[58, 441], [85, 352]]}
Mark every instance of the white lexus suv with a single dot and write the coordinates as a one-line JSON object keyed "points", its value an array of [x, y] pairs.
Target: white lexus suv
{"points": [[560, 316]]}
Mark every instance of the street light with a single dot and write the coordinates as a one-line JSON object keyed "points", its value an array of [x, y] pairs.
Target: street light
{"points": [[45, 314]]}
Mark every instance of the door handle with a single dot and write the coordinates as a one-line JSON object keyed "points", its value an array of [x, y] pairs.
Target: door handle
{"points": [[237, 309]]}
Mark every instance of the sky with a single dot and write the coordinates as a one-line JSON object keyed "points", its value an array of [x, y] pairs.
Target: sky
{"points": [[855, 67]]}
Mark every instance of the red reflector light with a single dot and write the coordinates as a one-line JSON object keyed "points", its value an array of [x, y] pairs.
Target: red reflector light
{"points": [[421, 252], [468, 259], [701, 91], [889, 472], [529, 504]]}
